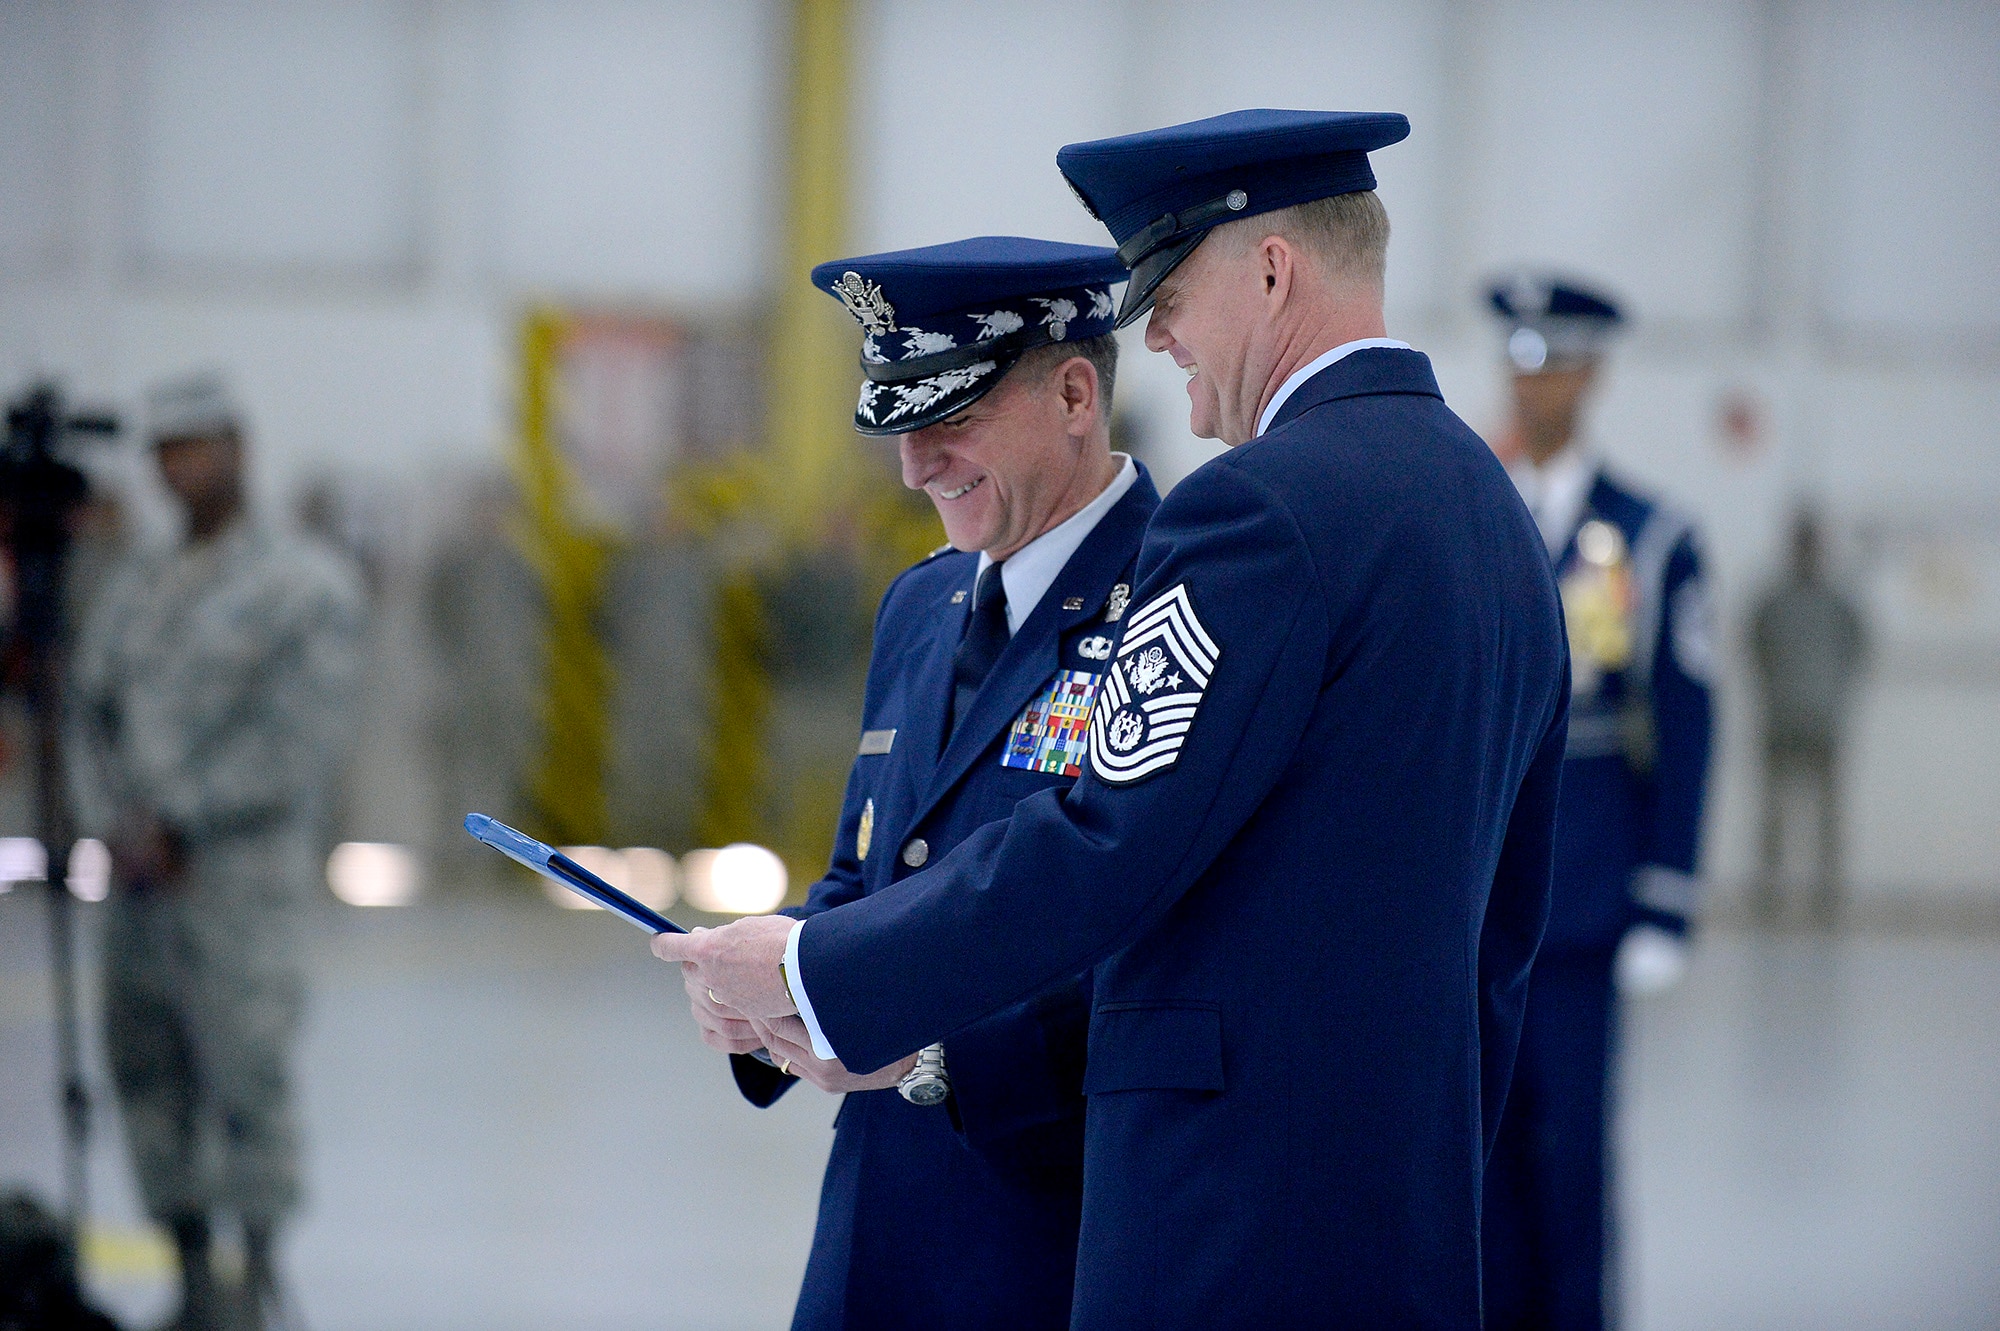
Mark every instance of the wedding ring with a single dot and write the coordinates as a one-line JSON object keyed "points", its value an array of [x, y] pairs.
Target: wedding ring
{"points": [[785, 1066], [713, 999]]}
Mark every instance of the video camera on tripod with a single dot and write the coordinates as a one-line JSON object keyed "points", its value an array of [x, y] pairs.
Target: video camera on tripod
{"points": [[41, 491]]}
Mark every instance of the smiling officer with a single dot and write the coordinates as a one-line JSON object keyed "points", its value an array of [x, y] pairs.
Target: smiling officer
{"points": [[1309, 855], [1629, 827], [956, 1202]]}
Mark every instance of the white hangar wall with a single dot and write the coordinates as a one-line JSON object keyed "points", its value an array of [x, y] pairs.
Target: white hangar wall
{"points": [[346, 205]]}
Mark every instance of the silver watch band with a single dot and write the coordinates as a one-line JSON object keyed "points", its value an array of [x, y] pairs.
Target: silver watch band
{"points": [[926, 1084]]}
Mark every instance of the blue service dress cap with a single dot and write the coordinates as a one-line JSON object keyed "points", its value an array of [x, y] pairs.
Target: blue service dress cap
{"points": [[1552, 318], [943, 324], [1161, 191]]}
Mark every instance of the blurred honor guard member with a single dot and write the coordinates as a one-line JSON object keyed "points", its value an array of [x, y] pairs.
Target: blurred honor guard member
{"points": [[213, 691], [1640, 642], [956, 1202], [1309, 853]]}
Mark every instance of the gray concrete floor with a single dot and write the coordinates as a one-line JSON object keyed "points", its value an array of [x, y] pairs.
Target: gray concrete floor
{"points": [[512, 1126]]}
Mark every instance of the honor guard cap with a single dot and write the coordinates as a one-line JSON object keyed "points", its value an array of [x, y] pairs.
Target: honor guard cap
{"points": [[192, 407], [1161, 191], [1552, 319], [943, 324]]}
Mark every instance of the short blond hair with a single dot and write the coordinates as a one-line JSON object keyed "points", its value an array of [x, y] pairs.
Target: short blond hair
{"points": [[1347, 233]]}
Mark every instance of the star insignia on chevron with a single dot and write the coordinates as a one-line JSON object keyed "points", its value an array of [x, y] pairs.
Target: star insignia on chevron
{"points": [[1152, 691], [966, 312]]}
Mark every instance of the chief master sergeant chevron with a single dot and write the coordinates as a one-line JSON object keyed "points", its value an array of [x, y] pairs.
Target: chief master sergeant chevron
{"points": [[1310, 855], [992, 360]]}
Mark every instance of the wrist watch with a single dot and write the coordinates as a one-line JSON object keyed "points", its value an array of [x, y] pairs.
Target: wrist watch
{"points": [[926, 1084]]}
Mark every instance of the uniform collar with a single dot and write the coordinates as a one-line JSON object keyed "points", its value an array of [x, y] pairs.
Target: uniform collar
{"points": [[1313, 367], [1029, 570], [1556, 492]]}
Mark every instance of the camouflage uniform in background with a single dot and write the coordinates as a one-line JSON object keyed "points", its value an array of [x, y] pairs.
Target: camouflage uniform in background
{"points": [[214, 689]]}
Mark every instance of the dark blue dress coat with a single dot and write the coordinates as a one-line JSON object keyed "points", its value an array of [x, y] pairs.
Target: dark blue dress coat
{"points": [[1312, 929], [963, 1215], [1627, 834]]}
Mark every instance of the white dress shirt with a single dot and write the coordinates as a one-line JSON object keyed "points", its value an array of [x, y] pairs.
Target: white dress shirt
{"points": [[1556, 491], [1027, 575], [1313, 367]]}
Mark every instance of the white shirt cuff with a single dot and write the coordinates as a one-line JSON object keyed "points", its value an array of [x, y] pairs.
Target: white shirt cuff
{"points": [[797, 984]]}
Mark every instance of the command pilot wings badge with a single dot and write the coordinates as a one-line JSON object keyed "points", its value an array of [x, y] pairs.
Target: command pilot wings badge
{"points": [[1149, 696]]}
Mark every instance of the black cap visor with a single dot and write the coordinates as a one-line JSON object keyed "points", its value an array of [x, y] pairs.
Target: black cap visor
{"points": [[1152, 270]]}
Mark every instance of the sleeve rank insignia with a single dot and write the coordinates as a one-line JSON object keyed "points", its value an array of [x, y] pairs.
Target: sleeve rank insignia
{"points": [[1149, 697]]}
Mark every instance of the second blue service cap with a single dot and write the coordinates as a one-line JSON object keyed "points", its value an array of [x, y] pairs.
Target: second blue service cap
{"points": [[1552, 320], [943, 324], [1161, 191]]}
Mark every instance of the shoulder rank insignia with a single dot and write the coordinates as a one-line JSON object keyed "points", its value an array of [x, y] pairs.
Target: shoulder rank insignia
{"points": [[1114, 608], [1154, 687]]}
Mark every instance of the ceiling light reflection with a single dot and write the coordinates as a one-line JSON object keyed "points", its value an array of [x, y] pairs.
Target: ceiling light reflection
{"points": [[740, 879], [373, 873]]}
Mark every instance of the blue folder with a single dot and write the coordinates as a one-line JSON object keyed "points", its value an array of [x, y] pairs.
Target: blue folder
{"points": [[552, 863]]}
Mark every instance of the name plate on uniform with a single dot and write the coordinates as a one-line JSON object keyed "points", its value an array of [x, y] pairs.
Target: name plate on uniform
{"points": [[1052, 732], [875, 742]]}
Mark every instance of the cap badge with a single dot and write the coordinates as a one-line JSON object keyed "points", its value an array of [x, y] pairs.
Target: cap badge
{"points": [[1528, 349], [864, 300]]}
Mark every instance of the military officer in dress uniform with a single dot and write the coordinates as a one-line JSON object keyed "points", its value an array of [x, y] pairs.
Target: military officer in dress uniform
{"points": [[211, 702], [1627, 832], [1309, 854], [955, 1184]]}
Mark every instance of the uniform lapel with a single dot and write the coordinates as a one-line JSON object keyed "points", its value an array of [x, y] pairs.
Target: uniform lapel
{"points": [[932, 684], [920, 735], [1035, 651]]}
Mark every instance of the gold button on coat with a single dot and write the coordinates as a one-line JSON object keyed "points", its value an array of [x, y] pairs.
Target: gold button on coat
{"points": [[916, 851]]}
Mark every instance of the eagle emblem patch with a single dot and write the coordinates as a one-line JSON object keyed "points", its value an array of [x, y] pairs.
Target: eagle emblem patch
{"points": [[1050, 734], [1154, 687]]}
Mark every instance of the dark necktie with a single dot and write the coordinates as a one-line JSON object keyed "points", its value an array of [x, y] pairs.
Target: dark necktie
{"points": [[985, 638]]}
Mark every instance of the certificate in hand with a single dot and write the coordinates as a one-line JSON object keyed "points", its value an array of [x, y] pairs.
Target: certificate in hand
{"points": [[552, 863]]}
